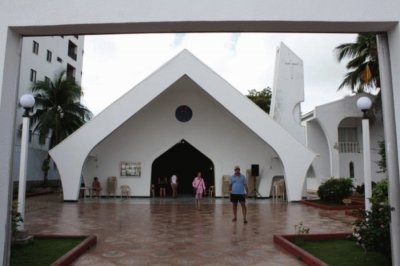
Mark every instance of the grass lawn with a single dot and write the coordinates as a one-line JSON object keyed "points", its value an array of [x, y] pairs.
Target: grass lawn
{"points": [[343, 252], [42, 252]]}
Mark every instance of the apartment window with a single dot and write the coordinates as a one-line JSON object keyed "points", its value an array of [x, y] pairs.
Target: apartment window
{"points": [[70, 71], [33, 75], [348, 140], [49, 56], [72, 48], [47, 80], [59, 60], [35, 47]]}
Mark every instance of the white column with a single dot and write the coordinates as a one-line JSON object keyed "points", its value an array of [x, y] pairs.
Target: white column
{"points": [[367, 163], [390, 144], [23, 169], [335, 162], [10, 50]]}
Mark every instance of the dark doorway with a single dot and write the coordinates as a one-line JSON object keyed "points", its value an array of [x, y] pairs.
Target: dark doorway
{"points": [[185, 161]]}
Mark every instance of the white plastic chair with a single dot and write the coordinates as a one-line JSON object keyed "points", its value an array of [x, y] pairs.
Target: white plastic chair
{"points": [[211, 191], [125, 191], [279, 190]]}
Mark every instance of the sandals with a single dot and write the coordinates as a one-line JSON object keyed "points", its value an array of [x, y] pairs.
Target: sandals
{"points": [[244, 221]]}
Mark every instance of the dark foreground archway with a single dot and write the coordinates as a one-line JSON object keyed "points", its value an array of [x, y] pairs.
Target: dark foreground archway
{"points": [[185, 161]]}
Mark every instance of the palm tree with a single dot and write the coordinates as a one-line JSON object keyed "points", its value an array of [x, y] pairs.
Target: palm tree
{"points": [[363, 66], [363, 75], [58, 111]]}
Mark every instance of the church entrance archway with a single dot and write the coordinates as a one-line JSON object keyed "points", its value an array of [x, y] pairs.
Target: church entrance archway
{"points": [[185, 161]]}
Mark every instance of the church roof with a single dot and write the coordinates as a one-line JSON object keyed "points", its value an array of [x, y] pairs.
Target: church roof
{"points": [[184, 63]]}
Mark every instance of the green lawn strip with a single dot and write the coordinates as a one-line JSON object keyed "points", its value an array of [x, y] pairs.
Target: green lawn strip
{"points": [[343, 252], [42, 252]]}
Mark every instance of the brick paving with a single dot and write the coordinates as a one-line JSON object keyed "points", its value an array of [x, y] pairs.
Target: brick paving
{"points": [[154, 231]]}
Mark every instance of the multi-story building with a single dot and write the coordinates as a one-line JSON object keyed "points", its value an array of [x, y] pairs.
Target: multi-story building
{"points": [[42, 58]]}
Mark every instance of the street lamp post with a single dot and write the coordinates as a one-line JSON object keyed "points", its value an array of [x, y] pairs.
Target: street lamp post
{"points": [[364, 103], [27, 101]]}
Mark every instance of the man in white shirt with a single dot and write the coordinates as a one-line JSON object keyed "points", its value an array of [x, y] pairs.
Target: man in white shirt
{"points": [[174, 186]]}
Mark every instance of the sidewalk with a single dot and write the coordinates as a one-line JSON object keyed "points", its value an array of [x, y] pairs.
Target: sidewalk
{"points": [[172, 232]]}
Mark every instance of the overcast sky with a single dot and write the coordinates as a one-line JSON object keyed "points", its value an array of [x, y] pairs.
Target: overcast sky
{"points": [[114, 64]]}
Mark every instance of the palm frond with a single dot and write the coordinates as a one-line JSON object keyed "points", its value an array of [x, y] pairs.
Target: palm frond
{"points": [[363, 58], [58, 109]]}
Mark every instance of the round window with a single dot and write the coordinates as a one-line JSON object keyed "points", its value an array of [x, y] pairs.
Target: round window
{"points": [[183, 113]]}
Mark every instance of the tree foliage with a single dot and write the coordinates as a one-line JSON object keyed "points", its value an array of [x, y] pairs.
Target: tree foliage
{"points": [[382, 154], [58, 110], [363, 66], [261, 98], [372, 230]]}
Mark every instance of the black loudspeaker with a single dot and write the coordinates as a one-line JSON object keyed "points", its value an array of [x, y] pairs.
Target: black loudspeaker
{"points": [[255, 170]]}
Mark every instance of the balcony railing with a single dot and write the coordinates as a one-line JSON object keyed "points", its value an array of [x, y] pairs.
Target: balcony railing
{"points": [[349, 147]]}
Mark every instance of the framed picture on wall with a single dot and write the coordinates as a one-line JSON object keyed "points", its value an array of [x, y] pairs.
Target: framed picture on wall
{"points": [[131, 169]]}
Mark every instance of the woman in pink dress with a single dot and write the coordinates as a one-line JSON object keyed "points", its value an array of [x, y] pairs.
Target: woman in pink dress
{"points": [[199, 186]]}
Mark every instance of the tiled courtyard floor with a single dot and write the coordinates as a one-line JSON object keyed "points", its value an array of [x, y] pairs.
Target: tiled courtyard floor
{"points": [[172, 232]]}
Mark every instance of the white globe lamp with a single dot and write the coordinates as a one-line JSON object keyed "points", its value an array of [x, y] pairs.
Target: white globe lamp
{"points": [[363, 104]]}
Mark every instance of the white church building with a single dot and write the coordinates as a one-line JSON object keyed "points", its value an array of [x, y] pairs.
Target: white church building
{"points": [[184, 118]]}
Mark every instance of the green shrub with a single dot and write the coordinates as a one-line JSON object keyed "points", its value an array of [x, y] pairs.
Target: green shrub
{"points": [[335, 189], [361, 189], [380, 193], [382, 153], [372, 231], [16, 218]]}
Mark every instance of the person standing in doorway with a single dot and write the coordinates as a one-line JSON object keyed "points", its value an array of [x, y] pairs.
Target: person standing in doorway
{"points": [[174, 186], [238, 188], [199, 186], [162, 183]]}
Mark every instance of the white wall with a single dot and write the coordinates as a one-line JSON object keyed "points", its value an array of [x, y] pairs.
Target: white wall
{"points": [[154, 130], [316, 141]]}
